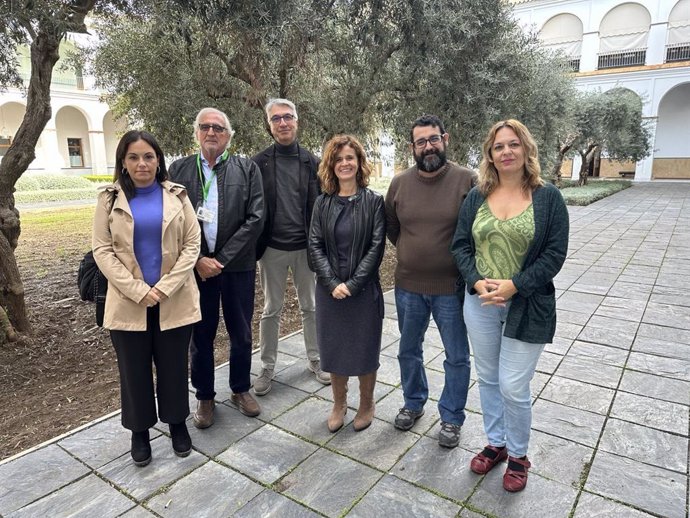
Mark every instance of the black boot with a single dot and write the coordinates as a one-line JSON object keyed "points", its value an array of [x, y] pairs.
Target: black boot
{"points": [[181, 441], [141, 448]]}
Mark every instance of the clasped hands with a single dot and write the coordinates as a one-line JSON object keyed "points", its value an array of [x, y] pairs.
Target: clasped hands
{"points": [[340, 291], [153, 297], [495, 292]]}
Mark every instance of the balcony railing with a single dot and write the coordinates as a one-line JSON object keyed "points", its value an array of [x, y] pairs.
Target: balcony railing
{"points": [[574, 64], [71, 81], [677, 52], [622, 58]]}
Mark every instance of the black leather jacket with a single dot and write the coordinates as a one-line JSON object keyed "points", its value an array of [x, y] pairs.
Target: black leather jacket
{"points": [[368, 240], [309, 189], [240, 208]]}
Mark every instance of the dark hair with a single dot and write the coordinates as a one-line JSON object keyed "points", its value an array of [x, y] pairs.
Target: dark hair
{"points": [[427, 120], [125, 180], [329, 181]]}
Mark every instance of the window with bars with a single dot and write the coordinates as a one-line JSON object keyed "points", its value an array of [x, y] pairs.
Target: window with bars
{"points": [[76, 155]]}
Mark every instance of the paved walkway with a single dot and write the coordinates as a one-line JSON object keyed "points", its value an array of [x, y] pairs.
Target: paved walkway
{"points": [[610, 429]]}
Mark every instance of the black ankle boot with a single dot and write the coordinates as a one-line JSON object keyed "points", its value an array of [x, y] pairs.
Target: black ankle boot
{"points": [[181, 441], [141, 448]]}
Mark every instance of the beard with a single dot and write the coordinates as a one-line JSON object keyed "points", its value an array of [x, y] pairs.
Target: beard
{"points": [[431, 160]]}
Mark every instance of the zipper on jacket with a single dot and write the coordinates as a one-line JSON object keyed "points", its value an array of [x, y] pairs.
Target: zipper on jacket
{"points": [[354, 239]]}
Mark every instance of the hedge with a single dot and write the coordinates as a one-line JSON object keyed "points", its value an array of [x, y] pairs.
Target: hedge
{"points": [[38, 182]]}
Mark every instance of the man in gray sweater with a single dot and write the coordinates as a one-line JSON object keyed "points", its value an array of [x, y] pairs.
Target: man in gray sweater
{"points": [[422, 206]]}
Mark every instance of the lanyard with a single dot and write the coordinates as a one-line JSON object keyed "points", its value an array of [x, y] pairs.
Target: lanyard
{"points": [[206, 186]]}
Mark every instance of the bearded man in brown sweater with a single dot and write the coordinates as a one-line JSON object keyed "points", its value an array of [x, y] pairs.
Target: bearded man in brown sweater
{"points": [[422, 206]]}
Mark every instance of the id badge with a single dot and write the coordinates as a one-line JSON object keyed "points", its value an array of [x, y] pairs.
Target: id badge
{"points": [[204, 214]]}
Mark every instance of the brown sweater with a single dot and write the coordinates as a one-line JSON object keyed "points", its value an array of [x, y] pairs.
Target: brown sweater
{"points": [[421, 214]]}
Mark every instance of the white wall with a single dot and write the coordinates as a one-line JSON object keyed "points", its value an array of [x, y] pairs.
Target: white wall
{"points": [[673, 128]]}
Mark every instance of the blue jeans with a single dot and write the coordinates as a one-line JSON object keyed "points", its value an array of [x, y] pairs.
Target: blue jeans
{"points": [[505, 366], [414, 310]]}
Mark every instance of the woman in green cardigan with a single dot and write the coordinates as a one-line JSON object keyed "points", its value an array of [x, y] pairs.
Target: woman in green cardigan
{"points": [[510, 242]]}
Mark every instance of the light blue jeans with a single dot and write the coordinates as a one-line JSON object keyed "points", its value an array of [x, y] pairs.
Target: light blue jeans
{"points": [[414, 310], [504, 367]]}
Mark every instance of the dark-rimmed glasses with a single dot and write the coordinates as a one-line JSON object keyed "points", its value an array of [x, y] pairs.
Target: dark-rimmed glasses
{"points": [[420, 143], [288, 118], [215, 127]]}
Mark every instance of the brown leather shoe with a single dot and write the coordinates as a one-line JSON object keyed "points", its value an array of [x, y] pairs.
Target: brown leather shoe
{"points": [[203, 417], [246, 403]]}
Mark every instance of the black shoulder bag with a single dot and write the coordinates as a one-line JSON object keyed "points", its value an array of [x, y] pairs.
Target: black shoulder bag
{"points": [[92, 284]]}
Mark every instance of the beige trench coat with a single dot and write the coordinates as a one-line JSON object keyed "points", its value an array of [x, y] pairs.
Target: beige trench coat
{"points": [[113, 250]]}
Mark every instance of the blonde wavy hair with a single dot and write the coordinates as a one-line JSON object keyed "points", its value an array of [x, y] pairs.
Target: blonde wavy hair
{"points": [[329, 181], [488, 175]]}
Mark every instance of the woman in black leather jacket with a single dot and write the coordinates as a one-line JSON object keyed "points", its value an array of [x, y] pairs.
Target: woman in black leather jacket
{"points": [[346, 245]]}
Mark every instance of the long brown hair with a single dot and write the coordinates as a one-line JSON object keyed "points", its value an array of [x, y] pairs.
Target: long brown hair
{"points": [[488, 174], [329, 181]]}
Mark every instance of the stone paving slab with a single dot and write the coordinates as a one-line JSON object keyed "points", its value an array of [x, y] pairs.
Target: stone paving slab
{"points": [[36, 474], [437, 469], [645, 445], [610, 427], [318, 482], [267, 454], [229, 427], [142, 482], [394, 497], [648, 487], [102, 443], [209, 491], [87, 497]]}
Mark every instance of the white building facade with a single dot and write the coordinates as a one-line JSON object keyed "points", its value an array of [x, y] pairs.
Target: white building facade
{"points": [[80, 137], [642, 46]]}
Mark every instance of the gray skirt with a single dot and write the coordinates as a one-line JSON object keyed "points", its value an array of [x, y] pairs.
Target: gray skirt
{"points": [[348, 331]]}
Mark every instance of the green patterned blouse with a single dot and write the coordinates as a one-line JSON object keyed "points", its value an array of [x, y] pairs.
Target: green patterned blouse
{"points": [[501, 244]]}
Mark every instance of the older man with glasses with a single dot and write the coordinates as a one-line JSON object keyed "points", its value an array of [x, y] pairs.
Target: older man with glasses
{"points": [[227, 194], [422, 206], [290, 189]]}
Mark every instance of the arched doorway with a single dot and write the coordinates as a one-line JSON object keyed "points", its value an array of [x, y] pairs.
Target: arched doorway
{"points": [[671, 150], [73, 140], [11, 116]]}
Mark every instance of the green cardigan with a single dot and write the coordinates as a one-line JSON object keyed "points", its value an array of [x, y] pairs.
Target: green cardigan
{"points": [[532, 314]]}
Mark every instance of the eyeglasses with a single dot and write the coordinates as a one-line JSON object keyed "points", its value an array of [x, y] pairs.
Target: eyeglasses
{"points": [[215, 127], [288, 118], [420, 143]]}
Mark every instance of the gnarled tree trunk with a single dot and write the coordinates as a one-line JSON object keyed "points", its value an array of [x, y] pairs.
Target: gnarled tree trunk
{"points": [[46, 34], [586, 156]]}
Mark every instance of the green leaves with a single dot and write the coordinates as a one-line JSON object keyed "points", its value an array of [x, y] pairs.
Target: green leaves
{"points": [[357, 66]]}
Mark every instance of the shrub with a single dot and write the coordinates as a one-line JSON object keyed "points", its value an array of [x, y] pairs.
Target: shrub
{"points": [[595, 190], [99, 178], [37, 182], [55, 195]]}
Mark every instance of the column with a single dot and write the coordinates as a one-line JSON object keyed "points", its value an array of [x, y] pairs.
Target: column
{"points": [[643, 168], [49, 158], [99, 163]]}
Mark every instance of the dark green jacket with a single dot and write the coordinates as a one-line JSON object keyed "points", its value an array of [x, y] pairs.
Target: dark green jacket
{"points": [[532, 314]]}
